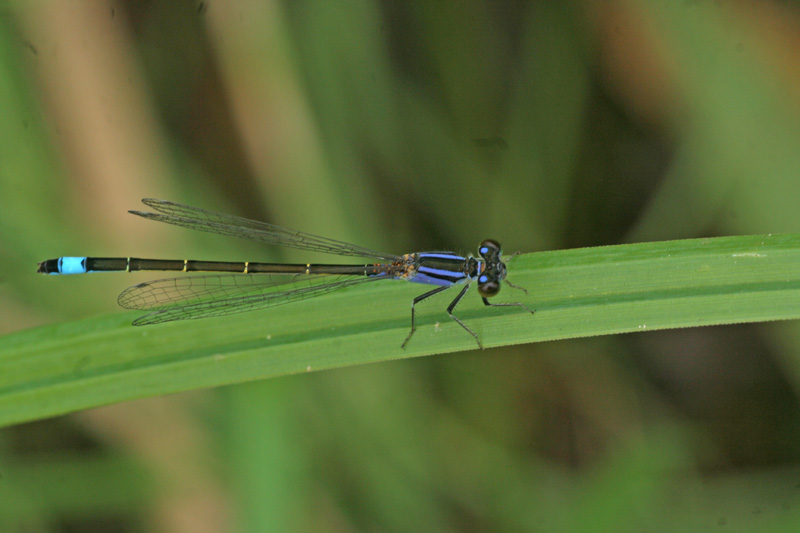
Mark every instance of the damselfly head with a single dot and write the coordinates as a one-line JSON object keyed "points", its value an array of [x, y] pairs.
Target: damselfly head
{"points": [[494, 270]]}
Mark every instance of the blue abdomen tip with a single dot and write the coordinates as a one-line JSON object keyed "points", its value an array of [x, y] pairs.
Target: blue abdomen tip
{"points": [[72, 265]]}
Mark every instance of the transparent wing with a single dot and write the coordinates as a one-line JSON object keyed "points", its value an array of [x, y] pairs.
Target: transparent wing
{"points": [[226, 294], [212, 222]]}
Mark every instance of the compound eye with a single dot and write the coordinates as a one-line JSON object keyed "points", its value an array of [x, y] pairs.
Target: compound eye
{"points": [[489, 246], [489, 288]]}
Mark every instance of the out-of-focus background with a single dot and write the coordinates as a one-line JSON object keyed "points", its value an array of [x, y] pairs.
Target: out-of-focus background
{"points": [[409, 126]]}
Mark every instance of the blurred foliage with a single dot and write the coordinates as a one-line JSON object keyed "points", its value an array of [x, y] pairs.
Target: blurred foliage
{"points": [[409, 126]]}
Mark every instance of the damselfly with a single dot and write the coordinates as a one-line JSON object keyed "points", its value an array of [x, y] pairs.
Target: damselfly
{"points": [[249, 286]]}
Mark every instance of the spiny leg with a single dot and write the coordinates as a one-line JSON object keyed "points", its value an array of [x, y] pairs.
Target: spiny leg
{"points": [[453, 305], [417, 300], [523, 289], [515, 304]]}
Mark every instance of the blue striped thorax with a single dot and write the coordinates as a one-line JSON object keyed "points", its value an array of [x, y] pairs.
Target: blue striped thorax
{"points": [[448, 268]]}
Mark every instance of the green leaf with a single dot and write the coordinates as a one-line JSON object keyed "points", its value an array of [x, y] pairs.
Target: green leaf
{"points": [[576, 293]]}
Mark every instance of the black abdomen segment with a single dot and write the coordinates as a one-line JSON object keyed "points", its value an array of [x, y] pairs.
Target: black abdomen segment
{"points": [[84, 265]]}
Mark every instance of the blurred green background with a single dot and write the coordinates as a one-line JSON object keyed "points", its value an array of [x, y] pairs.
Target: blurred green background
{"points": [[409, 126]]}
